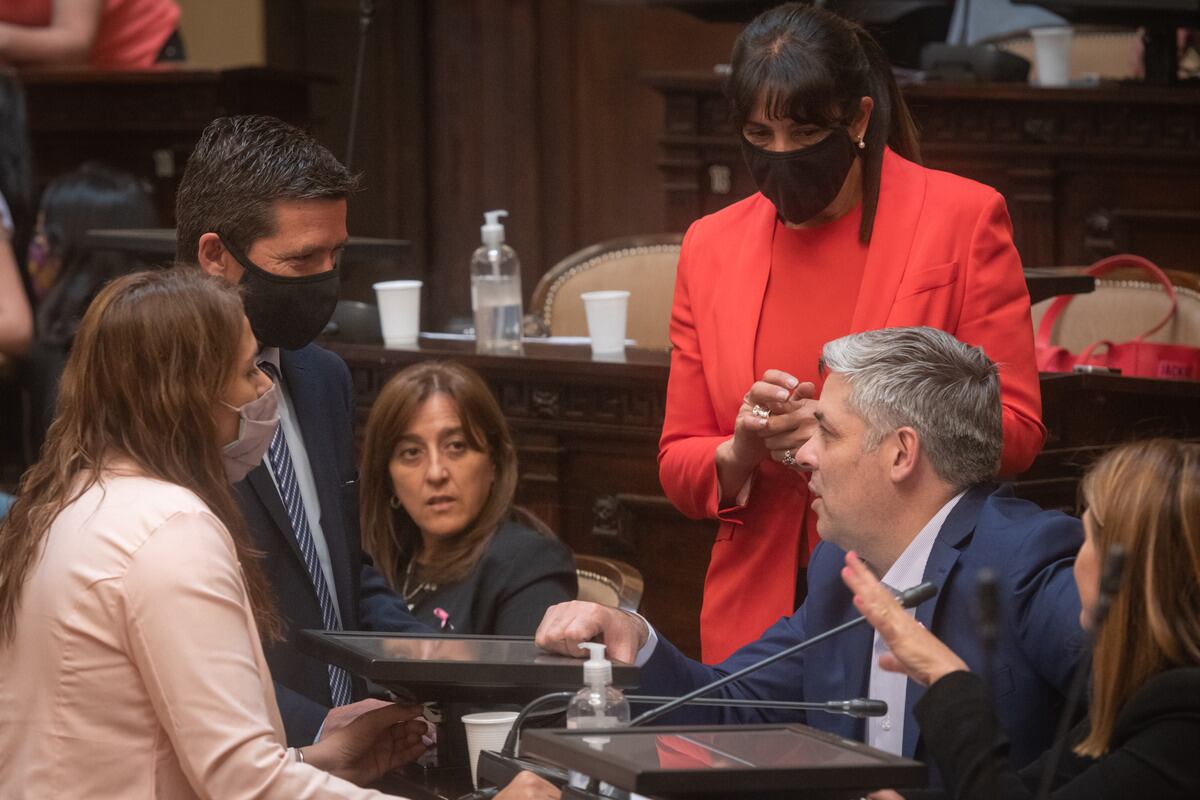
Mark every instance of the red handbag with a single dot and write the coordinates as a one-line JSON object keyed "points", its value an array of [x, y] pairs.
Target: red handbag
{"points": [[1137, 358]]}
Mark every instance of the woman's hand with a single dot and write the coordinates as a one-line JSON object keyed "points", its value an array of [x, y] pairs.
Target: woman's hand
{"points": [[527, 786], [372, 744], [914, 651], [755, 436]]}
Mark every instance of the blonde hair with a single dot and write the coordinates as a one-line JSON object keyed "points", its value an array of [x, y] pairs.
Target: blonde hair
{"points": [[152, 356], [1144, 497], [389, 534]]}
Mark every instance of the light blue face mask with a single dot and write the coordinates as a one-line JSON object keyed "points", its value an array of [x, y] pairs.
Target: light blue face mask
{"points": [[257, 421]]}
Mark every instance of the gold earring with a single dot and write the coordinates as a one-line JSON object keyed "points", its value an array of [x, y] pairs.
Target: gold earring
{"points": [[862, 142]]}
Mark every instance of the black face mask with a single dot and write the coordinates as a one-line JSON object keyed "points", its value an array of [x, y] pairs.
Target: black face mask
{"points": [[802, 183], [286, 312]]}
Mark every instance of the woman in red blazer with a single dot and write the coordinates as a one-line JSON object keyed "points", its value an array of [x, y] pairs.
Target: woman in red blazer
{"points": [[845, 235]]}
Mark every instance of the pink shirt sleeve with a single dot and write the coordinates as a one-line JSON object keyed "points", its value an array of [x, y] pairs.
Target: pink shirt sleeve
{"points": [[195, 644]]}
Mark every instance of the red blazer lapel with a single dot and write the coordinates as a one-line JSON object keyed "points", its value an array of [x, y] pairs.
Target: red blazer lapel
{"points": [[740, 292], [901, 198]]}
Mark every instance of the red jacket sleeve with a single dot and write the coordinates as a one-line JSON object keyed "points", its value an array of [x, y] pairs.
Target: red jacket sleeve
{"points": [[691, 432]]}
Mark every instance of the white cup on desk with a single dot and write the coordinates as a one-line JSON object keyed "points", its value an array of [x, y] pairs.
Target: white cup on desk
{"points": [[399, 311], [1052, 49], [486, 730], [606, 312]]}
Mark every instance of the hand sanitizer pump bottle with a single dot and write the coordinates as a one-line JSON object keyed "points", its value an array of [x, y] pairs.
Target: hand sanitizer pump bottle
{"points": [[496, 290], [597, 705]]}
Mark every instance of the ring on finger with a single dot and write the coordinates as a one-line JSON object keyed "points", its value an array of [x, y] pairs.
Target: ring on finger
{"points": [[789, 460], [760, 412]]}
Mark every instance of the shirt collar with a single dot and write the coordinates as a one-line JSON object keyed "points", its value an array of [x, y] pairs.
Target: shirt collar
{"points": [[909, 568], [271, 356]]}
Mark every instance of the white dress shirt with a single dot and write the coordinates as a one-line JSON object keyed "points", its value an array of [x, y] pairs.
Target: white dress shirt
{"points": [[887, 732], [304, 474]]}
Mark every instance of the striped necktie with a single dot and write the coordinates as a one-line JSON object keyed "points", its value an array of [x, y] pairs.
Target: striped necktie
{"points": [[280, 456]]}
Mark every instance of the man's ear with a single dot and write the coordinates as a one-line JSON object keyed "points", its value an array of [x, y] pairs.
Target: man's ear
{"points": [[906, 454], [212, 256]]}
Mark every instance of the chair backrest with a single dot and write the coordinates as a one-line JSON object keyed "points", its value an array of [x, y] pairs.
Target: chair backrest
{"points": [[1121, 309], [608, 582], [644, 265]]}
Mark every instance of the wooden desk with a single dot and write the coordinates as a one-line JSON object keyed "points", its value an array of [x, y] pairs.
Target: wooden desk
{"points": [[587, 435], [1086, 172]]}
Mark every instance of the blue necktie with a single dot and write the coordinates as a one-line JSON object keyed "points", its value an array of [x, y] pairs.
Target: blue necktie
{"points": [[289, 491]]}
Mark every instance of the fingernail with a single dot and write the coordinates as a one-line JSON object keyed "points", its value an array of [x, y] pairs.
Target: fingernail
{"points": [[781, 395], [791, 382]]}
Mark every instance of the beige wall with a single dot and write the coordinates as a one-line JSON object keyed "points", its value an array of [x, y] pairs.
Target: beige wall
{"points": [[223, 33]]}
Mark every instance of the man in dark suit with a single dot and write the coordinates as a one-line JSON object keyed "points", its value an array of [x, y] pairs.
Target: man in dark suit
{"points": [[908, 436], [263, 205]]}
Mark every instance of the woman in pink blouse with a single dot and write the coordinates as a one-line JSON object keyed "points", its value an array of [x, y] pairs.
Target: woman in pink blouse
{"points": [[130, 601]]}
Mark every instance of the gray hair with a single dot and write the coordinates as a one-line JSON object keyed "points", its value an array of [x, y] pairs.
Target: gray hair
{"points": [[924, 378]]}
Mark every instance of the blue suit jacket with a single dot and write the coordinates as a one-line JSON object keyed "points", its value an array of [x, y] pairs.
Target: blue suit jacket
{"points": [[1040, 641], [318, 384]]}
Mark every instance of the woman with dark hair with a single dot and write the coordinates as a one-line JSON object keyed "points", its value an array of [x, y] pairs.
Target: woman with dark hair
{"points": [[1139, 739], [131, 598], [437, 483], [65, 269], [847, 233], [66, 273]]}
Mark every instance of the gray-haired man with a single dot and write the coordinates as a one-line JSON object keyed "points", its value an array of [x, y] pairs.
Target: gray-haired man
{"points": [[907, 442]]}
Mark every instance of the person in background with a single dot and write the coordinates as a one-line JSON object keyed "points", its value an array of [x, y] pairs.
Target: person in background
{"points": [[438, 475], [846, 233], [131, 598], [908, 436], [1139, 739], [68, 273], [125, 34], [16, 317], [262, 205], [16, 220]]}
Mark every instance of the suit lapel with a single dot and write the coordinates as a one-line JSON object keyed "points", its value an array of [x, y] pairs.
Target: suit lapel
{"points": [[260, 481], [856, 670], [740, 297], [901, 198], [947, 548], [312, 417]]}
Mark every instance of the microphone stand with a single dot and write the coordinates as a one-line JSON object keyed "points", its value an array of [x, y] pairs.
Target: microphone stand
{"points": [[1110, 582], [909, 598], [987, 613], [366, 12]]}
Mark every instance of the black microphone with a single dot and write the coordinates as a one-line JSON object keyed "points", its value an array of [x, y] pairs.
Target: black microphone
{"points": [[1110, 583], [858, 707], [909, 598]]}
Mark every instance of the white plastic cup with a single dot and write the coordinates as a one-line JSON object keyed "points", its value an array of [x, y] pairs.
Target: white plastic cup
{"points": [[606, 320], [1052, 48], [486, 730], [399, 311]]}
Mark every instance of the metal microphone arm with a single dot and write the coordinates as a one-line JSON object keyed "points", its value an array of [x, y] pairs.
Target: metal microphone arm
{"points": [[858, 707], [909, 598]]}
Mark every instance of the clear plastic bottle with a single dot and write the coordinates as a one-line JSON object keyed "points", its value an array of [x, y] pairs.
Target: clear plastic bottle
{"points": [[496, 290], [597, 705]]}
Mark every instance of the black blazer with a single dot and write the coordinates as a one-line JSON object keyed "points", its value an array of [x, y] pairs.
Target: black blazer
{"points": [[1153, 752], [520, 574], [318, 384]]}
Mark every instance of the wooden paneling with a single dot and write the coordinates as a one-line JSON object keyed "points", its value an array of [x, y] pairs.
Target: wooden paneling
{"points": [[536, 106]]}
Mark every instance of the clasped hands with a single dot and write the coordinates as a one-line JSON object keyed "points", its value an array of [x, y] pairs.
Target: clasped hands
{"points": [[787, 424]]}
